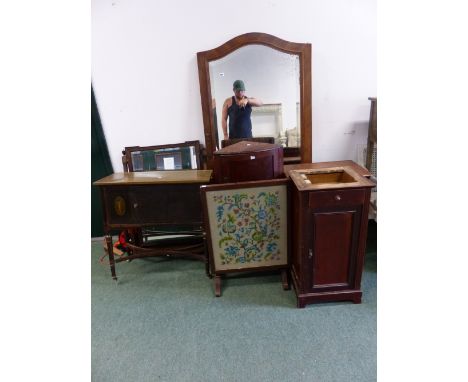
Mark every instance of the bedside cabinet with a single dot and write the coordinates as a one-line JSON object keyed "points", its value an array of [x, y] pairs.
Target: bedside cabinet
{"points": [[329, 210]]}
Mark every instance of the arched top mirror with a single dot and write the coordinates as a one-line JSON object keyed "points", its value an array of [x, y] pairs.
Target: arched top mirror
{"points": [[277, 73]]}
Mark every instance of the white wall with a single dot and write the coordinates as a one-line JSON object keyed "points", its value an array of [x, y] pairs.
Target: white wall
{"points": [[145, 76]]}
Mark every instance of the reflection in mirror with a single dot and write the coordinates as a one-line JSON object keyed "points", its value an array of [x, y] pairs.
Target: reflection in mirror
{"points": [[270, 76], [179, 156]]}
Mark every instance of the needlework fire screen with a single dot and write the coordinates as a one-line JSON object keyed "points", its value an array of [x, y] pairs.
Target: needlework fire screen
{"points": [[246, 224]]}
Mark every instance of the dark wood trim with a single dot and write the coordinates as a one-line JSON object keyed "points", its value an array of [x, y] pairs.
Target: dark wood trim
{"points": [[303, 50], [372, 132], [269, 268], [229, 142], [252, 184], [361, 251]]}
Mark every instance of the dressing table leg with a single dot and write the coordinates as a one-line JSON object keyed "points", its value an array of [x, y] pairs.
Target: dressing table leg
{"points": [[217, 284], [110, 251]]}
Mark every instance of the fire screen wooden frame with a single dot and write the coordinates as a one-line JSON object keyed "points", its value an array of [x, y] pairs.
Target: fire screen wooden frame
{"points": [[246, 228]]}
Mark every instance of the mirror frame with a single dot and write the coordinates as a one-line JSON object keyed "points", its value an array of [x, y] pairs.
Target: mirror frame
{"points": [[304, 51]]}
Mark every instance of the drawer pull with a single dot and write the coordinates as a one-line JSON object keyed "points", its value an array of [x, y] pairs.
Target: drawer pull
{"points": [[337, 197], [311, 254]]}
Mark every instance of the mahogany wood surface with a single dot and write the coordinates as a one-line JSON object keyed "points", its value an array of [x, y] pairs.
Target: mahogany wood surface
{"points": [[248, 161], [303, 51], [232, 141], [155, 177], [245, 146], [328, 243]]}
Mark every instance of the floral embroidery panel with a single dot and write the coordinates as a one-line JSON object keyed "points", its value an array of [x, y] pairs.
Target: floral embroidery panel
{"points": [[248, 227]]}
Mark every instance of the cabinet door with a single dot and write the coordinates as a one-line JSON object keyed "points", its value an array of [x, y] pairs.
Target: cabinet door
{"points": [[167, 204], [333, 248]]}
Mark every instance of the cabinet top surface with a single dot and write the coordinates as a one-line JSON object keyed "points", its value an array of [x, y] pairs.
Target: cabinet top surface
{"points": [[328, 178], [155, 177], [246, 147], [301, 166]]}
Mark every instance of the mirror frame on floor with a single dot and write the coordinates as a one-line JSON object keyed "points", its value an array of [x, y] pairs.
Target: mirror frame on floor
{"points": [[302, 154]]}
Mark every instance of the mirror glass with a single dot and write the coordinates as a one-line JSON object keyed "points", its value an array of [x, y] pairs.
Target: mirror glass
{"points": [[270, 76], [175, 158]]}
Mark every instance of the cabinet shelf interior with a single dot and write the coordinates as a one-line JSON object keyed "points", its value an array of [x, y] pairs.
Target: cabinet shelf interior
{"points": [[339, 176]]}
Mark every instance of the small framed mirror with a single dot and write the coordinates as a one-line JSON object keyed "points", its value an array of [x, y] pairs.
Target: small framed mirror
{"points": [[276, 73], [177, 156]]}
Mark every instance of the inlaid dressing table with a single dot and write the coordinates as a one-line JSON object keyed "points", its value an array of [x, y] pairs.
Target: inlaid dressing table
{"points": [[154, 198]]}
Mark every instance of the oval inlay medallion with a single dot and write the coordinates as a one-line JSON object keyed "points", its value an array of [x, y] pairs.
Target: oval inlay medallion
{"points": [[119, 206]]}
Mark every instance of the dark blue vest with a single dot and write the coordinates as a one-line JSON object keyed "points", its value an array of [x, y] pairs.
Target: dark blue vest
{"points": [[240, 125]]}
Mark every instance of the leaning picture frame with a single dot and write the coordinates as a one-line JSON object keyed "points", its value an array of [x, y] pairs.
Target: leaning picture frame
{"points": [[246, 228]]}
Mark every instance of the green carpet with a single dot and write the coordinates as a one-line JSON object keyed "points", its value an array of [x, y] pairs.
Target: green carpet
{"points": [[161, 322]]}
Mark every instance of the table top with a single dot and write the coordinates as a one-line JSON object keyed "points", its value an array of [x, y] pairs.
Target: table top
{"points": [[155, 177]]}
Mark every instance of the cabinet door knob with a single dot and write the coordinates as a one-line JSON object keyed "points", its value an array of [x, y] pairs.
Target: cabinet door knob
{"points": [[311, 254], [337, 197], [135, 205]]}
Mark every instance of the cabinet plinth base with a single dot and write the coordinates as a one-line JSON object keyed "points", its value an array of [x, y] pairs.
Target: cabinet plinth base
{"points": [[342, 295], [304, 299]]}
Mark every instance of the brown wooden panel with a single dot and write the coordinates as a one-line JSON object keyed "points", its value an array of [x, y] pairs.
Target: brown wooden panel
{"points": [[155, 178], [232, 141], [148, 205], [258, 169], [168, 203], [234, 163], [332, 249]]}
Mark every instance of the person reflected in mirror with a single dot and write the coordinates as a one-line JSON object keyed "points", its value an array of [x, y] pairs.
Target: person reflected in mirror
{"points": [[238, 109]]}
